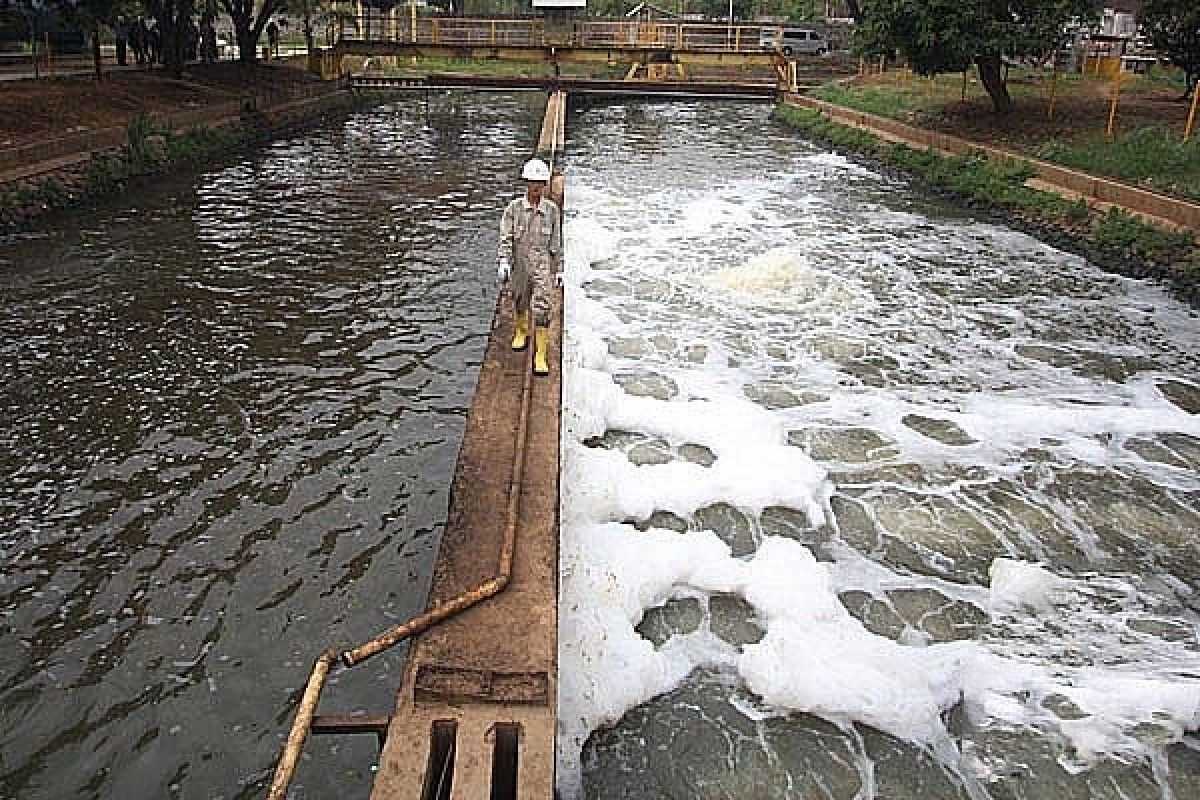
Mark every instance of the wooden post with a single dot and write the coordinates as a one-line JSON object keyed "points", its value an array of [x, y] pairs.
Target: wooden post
{"points": [[493, 33], [679, 36], [862, 66], [882, 62], [435, 30], [737, 41], [34, 52], [1112, 111], [1053, 91], [412, 19], [1191, 122], [964, 86], [49, 57]]}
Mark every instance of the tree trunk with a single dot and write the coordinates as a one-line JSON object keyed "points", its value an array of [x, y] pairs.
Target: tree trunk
{"points": [[168, 42], [97, 61], [247, 42], [991, 75], [854, 9], [308, 35]]}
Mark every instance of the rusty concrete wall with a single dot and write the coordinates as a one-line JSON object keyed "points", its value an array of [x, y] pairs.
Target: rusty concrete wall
{"points": [[26, 157]]}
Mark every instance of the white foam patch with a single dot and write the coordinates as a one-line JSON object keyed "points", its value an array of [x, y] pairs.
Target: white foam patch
{"points": [[1020, 586], [815, 656]]}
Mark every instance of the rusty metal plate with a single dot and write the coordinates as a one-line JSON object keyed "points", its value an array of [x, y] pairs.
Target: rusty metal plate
{"points": [[437, 682]]}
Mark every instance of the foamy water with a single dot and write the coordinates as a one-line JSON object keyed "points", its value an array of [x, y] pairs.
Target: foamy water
{"points": [[862, 498]]}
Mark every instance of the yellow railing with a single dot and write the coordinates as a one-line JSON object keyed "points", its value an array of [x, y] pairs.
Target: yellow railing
{"points": [[401, 27]]}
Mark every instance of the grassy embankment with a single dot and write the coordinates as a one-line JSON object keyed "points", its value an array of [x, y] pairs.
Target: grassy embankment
{"points": [[151, 149], [1002, 186], [1148, 149]]}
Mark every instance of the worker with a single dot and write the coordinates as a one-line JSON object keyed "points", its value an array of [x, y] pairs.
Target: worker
{"points": [[530, 254]]}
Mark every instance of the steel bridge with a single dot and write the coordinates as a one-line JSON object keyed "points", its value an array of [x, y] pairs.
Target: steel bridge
{"points": [[402, 33]]}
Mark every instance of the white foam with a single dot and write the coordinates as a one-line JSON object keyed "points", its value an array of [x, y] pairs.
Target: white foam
{"points": [[774, 295], [1020, 586]]}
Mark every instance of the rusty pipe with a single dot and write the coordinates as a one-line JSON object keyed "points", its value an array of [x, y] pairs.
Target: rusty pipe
{"points": [[489, 588], [301, 726]]}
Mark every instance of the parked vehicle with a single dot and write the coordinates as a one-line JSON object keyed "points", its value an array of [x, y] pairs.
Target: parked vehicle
{"points": [[793, 41]]}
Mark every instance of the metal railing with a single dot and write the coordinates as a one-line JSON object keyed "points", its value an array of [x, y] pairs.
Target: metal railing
{"points": [[401, 27]]}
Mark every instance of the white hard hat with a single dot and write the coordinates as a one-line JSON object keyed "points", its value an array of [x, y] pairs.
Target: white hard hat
{"points": [[536, 170]]}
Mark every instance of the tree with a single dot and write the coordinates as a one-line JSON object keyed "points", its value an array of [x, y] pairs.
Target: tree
{"points": [[89, 15], [311, 13], [249, 19], [173, 19], [938, 36], [34, 12], [1174, 28]]}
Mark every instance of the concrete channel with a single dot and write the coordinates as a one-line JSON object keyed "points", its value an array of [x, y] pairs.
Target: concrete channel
{"points": [[476, 711]]}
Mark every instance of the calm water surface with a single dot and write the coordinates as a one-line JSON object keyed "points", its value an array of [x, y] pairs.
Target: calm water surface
{"points": [[228, 423]]}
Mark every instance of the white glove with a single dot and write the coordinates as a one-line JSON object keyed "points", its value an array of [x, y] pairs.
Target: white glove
{"points": [[503, 270]]}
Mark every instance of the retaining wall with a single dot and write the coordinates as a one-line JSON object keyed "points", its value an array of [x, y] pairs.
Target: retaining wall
{"points": [[1159, 208], [36, 158]]}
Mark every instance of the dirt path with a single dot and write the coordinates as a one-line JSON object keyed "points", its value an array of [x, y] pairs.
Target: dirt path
{"points": [[36, 110]]}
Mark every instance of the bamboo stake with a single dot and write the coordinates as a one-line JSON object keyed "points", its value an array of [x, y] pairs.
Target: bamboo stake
{"points": [[1053, 91], [1112, 111], [1191, 121]]}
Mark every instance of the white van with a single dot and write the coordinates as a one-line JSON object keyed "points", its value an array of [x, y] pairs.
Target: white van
{"points": [[793, 41]]}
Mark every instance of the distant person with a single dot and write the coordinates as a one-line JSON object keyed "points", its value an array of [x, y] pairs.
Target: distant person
{"points": [[272, 39], [191, 40], [153, 44], [208, 40], [137, 40], [121, 38], [529, 260]]}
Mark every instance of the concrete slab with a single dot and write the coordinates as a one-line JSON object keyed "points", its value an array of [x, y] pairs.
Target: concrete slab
{"points": [[489, 674]]}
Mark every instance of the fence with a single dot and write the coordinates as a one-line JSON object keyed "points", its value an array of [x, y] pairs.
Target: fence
{"points": [[401, 27]]}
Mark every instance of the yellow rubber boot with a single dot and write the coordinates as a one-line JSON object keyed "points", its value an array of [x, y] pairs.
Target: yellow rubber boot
{"points": [[541, 339], [521, 333]]}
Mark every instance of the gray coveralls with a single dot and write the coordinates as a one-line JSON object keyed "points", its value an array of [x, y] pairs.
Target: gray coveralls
{"points": [[531, 239]]}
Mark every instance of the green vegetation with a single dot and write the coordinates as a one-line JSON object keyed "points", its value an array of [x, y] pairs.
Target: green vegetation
{"points": [[1174, 27], [883, 101], [1118, 230], [1001, 186], [941, 36], [151, 149], [1154, 156], [1151, 157]]}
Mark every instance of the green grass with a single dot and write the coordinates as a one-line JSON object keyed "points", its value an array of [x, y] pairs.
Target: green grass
{"points": [[969, 175], [999, 185], [884, 101], [1121, 231], [1151, 157]]}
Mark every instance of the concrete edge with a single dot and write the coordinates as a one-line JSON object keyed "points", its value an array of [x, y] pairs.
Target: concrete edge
{"points": [[30, 160], [1102, 193]]}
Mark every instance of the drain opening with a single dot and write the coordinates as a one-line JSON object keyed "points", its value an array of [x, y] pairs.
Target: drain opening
{"points": [[439, 771], [504, 760]]}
